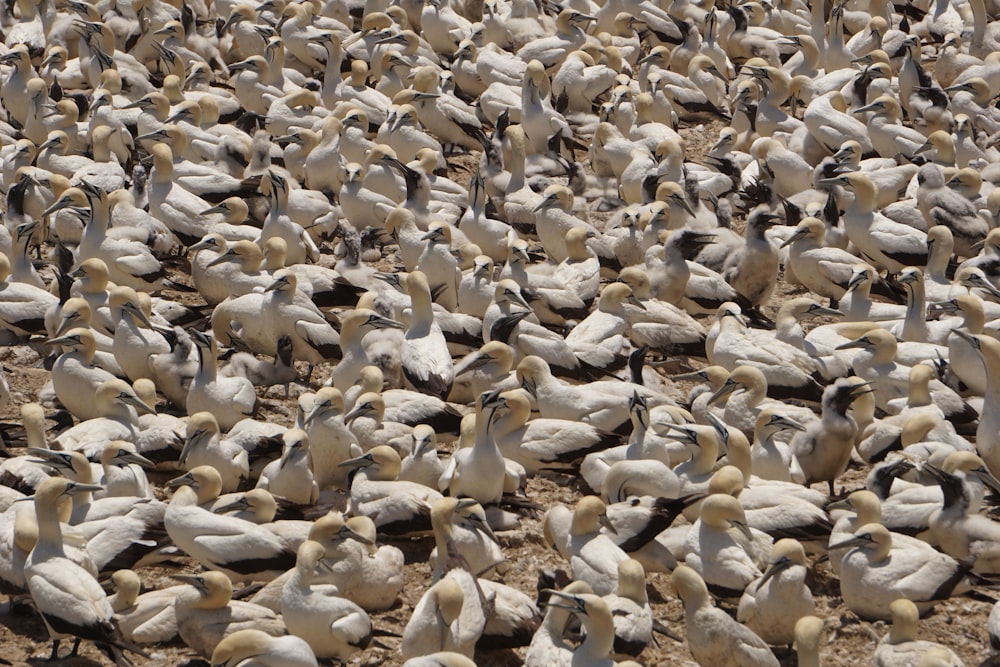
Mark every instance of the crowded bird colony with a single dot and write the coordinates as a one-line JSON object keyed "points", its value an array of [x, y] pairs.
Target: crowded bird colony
{"points": [[500, 332]]}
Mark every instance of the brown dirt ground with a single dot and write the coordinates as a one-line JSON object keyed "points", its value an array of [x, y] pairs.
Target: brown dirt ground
{"points": [[958, 623]]}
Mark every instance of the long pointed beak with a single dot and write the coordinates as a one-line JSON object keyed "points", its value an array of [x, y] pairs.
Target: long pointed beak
{"points": [[824, 310], [184, 480], [606, 522], [857, 343], [775, 568], [136, 458], [359, 462], [727, 388], [743, 528], [83, 488], [143, 408], [58, 205], [559, 595], [852, 542], [789, 423], [987, 478], [794, 237], [223, 258]]}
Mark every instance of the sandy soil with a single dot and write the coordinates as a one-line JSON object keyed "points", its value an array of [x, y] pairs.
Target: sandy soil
{"points": [[959, 623]]}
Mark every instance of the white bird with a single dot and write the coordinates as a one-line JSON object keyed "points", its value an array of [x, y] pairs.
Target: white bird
{"points": [[874, 574], [333, 626], [145, 619], [74, 376], [593, 556], [291, 475], [437, 624], [726, 562], [240, 549], [542, 443], [713, 637], [69, 599], [773, 605], [118, 403], [427, 364], [205, 446], [886, 244], [479, 471], [206, 612], [808, 636], [249, 646], [260, 320], [229, 399], [629, 605], [397, 507], [22, 306], [598, 624], [901, 646]]}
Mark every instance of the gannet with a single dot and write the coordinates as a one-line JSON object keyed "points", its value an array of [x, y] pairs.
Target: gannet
{"points": [[368, 424], [542, 443], [824, 270], [255, 646], [229, 399], [873, 574], [205, 446], [808, 636], [959, 533], [745, 390], [332, 441], [22, 306], [435, 624], [240, 549], [460, 527], [752, 269], [771, 459], [353, 328], [283, 218], [206, 612], [630, 610], [615, 471], [713, 637], [74, 376], [891, 379], [145, 619], [549, 645], [122, 471], [333, 626], [593, 556], [427, 365], [118, 403], [729, 562], [291, 475], [883, 242], [868, 509], [788, 370], [422, 464], [478, 472], [233, 271], [940, 205], [69, 599], [823, 449], [262, 319], [772, 605], [397, 507], [901, 645], [780, 509]]}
